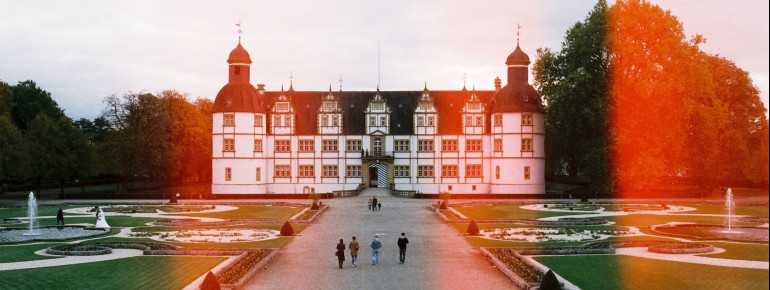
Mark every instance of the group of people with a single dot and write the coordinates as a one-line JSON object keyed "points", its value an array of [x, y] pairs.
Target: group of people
{"points": [[376, 246], [374, 204]]}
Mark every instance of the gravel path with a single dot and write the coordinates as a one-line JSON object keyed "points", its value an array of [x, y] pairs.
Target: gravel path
{"points": [[692, 258], [438, 257], [69, 260]]}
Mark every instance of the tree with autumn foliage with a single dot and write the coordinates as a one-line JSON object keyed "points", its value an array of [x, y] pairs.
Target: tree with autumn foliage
{"points": [[630, 105]]}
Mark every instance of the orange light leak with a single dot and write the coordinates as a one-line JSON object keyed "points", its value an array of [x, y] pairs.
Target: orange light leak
{"points": [[648, 75]]}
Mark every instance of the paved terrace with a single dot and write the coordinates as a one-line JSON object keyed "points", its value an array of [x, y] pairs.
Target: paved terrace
{"points": [[438, 257]]}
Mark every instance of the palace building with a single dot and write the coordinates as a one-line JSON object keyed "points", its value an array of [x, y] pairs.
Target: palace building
{"points": [[464, 142]]}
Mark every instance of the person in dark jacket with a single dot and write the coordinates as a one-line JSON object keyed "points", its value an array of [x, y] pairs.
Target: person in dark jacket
{"points": [[60, 217], [402, 241], [340, 252]]}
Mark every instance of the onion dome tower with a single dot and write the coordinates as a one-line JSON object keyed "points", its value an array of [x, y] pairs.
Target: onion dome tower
{"points": [[238, 95]]}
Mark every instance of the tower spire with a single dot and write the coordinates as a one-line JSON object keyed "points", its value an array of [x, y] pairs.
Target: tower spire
{"points": [[340, 82], [518, 33]]}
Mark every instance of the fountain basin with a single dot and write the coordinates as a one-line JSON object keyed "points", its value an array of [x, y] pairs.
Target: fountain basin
{"points": [[714, 232], [52, 233]]}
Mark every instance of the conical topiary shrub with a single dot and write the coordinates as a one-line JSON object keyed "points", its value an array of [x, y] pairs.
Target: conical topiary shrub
{"points": [[550, 282], [287, 229], [473, 229], [442, 205], [210, 282], [314, 206]]}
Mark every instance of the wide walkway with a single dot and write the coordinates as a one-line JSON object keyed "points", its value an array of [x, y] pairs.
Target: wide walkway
{"points": [[438, 257]]}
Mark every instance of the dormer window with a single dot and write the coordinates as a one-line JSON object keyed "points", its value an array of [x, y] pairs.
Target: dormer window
{"points": [[479, 121], [325, 121], [378, 106], [430, 121], [372, 121], [335, 121], [277, 121], [420, 121], [282, 106], [383, 121], [329, 107], [474, 106], [468, 121]]}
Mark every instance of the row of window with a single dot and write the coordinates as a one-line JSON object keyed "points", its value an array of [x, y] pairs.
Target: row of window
{"points": [[526, 120], [449, 145], [354, 171]]}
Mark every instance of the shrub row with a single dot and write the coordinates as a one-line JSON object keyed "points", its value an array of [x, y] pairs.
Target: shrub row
{"points": [[78, 250]]}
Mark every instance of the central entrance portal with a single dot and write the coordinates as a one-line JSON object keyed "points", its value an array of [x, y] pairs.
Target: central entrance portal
{"points": [[378, 175]]}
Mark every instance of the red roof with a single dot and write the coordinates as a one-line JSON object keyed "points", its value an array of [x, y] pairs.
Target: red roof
{"points": [[517, 57], [238, 97], [239, 55]]}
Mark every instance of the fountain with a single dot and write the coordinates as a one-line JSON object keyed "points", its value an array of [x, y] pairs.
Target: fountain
{"points": [[32, 215], [730, 206]]}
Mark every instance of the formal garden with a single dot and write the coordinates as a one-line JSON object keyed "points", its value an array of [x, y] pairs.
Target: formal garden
{"points": [[613, 244], [155, 246]]}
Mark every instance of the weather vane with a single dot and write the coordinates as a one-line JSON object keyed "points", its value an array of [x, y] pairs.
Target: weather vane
{"points": [[340, 82], [239, 30], [518, 33], [465, 78]]}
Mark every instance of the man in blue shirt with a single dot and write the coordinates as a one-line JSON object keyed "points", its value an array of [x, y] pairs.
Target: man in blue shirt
{"points": [[376, 245]]}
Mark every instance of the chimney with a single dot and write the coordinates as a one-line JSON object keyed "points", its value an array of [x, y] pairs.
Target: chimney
{"points": [[261, 89], [498, 84]]}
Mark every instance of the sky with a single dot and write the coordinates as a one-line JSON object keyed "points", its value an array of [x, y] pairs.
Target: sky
{"points": [[84, 51]]}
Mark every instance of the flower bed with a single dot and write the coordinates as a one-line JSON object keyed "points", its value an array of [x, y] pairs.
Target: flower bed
{"points": [[754, 219], [551, 234], [681, 248], [514, 262], [79, 250], [126, 209], [714, 232], [240, 268], [11, 221]]}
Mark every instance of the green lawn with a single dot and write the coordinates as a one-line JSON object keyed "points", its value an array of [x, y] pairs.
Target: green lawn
{"points": [[147, 272], [751, 210], [646, 220], [751, 252], [21, 253], [16, 212], [505, 211], [252, 212], [623, 272]]}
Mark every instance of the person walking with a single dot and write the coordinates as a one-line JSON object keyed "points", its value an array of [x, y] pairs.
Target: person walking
{"points": [[374, 203], [353, 246], [340, 252], [379, 206], [376, 245], [370, 203], [60, 217], [402, 241]]}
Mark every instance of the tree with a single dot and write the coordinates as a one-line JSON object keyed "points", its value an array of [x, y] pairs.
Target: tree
{"points": [[29, 101], [13, 164], [574, 83], [6, 99]]}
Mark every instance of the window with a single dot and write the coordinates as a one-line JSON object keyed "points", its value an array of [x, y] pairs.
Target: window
{"points": [[430, 121], [257, 120], [497, 172], [306, 146], [449, 188], [257, 145], [498, 145], [287, 121], [479, 121], [335, 121], [282, 106], [276, 121], [228, 174], [372, 121], [401, 171], [526, 173], [420, 121], [498, 120], [473, 145], [237, 70], [401, 145], [229, 145], [526, 119], [526, 144], [468, 121], [329, 171], [229, 120], [425, 146], [449, 171], [282, 171], [259, 174], [353, 171], [425, 171], [325, 121], [383, 121], [449, 145], [378, 106], [330, 146], [282, 145], [473, 170], [306, 171], [353, 145]]}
